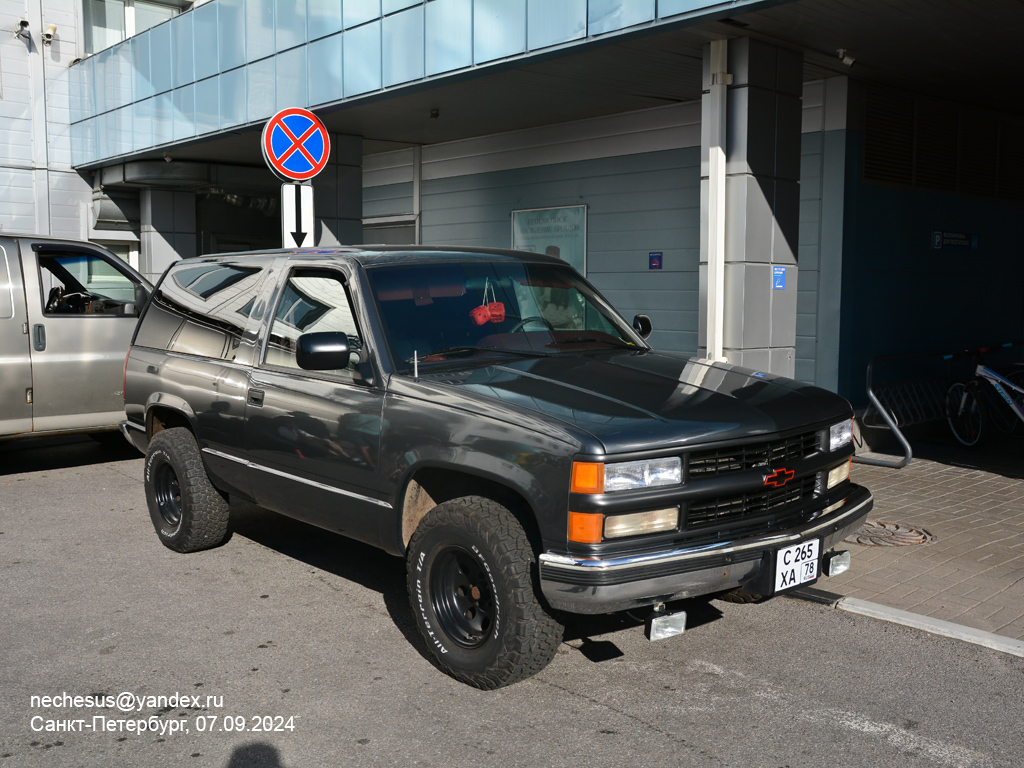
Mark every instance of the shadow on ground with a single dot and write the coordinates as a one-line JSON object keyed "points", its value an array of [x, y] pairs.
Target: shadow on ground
{"points": [[1002, 455], [39, 454], [378, 571]]}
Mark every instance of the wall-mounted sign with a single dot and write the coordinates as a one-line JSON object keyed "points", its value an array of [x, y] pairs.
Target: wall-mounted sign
{"points": [[654, 260], [560, 232], [955, 241], [778, 278], [295, 144]]}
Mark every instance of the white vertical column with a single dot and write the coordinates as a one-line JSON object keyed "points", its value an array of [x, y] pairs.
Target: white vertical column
{"points": [[715, 119]]}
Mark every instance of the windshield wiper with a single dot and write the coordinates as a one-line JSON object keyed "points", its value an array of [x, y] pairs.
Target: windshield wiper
{"points": [[450, 352], [592, 340]]}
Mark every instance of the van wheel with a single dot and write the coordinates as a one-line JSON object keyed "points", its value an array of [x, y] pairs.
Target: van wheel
{"points": [[189, 514], [474, 596]]}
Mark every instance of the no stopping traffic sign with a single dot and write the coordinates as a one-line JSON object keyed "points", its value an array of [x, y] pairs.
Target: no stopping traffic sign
{"points": [[295, 144]]}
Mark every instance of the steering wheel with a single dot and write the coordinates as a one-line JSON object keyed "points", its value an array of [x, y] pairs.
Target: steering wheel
{"points": [[54, 298], [78, 301], [532, 319]]}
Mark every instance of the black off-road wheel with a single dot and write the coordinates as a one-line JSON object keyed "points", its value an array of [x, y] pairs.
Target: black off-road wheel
{"points": [[474, 595], [189, 514]]}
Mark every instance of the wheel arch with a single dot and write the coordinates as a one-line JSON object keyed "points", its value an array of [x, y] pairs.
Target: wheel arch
{"points": [[430, 484], [166, 413]]}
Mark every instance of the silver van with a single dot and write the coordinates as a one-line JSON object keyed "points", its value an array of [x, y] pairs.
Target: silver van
{"points": [[67, 313]]}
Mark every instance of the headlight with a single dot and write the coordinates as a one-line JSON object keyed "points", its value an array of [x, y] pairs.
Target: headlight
{"points": [[655, 521], [593, 527], [840, 434], [839, 474], [591, 477]]}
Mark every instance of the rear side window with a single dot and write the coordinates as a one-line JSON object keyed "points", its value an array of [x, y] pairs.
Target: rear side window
{"points": [[201, 309]]}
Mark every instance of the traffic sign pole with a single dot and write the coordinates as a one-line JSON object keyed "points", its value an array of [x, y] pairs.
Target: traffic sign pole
{"points": [[296, 147], [297, 222]]}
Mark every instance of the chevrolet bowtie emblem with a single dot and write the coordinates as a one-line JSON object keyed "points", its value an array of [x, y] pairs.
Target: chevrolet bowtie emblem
{"points": [[779, 477]]}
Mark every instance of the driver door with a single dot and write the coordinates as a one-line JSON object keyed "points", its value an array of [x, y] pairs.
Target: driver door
{"points": [[81, 315]]}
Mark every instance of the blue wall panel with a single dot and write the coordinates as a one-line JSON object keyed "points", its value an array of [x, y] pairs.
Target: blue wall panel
{"points": [[900, 295]]}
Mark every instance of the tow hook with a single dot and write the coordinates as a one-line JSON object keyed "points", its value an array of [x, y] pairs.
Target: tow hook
{"points": [[661, 624]]}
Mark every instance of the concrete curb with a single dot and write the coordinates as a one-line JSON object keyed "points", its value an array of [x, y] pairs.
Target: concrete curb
{"points": [[932, 626], [907, 619]]}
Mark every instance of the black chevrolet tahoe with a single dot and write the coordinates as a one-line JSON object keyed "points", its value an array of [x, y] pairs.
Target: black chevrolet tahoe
{"points": [[488, 416]]}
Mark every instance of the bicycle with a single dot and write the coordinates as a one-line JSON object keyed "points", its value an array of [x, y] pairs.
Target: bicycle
{"points": [[971, 407]]}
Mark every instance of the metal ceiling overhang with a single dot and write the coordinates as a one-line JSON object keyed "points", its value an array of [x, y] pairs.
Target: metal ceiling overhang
{"points": [[958, 52]]}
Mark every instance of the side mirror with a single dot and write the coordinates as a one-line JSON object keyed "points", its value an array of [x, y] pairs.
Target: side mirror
{"points": [[642, 325], [327, 351], [141, 296]]}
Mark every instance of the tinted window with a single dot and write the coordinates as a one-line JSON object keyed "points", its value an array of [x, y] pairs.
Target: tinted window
{"points": [[206, 280], [201, 309], [475, 311], [312, 301]]}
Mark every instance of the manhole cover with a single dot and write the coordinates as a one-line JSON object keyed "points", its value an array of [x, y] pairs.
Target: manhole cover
{"points": [[878, 534]]}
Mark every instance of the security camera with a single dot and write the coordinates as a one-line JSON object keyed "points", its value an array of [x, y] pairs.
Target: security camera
{"points": [[48, 33], [22, 30]]}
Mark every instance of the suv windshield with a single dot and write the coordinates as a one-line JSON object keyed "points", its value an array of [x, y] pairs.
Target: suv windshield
{"points": [[473, 311]]}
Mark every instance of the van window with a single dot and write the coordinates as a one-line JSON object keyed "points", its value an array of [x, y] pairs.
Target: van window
{"points": [[83, 284], [201, 309], [6, 289]]}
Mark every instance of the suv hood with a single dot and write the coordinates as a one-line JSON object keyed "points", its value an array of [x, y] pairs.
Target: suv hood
{"points": [[632, 401]]}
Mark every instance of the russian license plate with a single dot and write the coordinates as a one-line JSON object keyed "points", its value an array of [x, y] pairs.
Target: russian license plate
{"points": [[796, 565]]}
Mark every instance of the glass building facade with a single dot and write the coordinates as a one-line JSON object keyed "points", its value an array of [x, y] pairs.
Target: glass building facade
{"points": [[231, 63]]}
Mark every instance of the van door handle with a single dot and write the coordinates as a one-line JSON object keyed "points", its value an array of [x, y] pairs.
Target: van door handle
{"points": [[255, 397], [39, 337]]}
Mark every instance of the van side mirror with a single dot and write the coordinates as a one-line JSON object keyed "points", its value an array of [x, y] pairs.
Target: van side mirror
{"points": [[141, 296], [325, 351], [642, 325]]}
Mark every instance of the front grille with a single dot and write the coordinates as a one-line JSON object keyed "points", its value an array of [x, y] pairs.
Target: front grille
{"points": [[727, 509], [751, 456]]}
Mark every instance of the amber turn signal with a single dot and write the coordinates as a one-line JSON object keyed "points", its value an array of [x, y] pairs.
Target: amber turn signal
{"points": [[586, 527], [587, 477]]}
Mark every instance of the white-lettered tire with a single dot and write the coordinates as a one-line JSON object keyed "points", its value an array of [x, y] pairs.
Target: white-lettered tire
{"points": [[189, 514], [474, 595]]}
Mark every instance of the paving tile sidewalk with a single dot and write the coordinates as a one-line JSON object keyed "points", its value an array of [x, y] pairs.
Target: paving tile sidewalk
{"points": [[972, 502]]}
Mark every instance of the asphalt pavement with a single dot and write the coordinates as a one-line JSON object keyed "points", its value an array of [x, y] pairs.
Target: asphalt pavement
{"points": [[291, 648]]}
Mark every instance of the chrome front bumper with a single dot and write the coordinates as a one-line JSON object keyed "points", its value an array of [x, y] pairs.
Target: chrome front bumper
{"points": [[581, 585]]}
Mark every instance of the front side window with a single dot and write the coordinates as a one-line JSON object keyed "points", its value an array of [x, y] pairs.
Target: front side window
{"points": [[312, 301], [83, 284], [482, 312]]}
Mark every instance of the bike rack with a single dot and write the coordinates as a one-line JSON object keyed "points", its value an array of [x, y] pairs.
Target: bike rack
{"points": [[909, 402]]}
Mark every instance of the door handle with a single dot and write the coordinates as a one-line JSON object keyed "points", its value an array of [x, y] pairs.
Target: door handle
{"points": [[255, 397], [39, 337]]}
